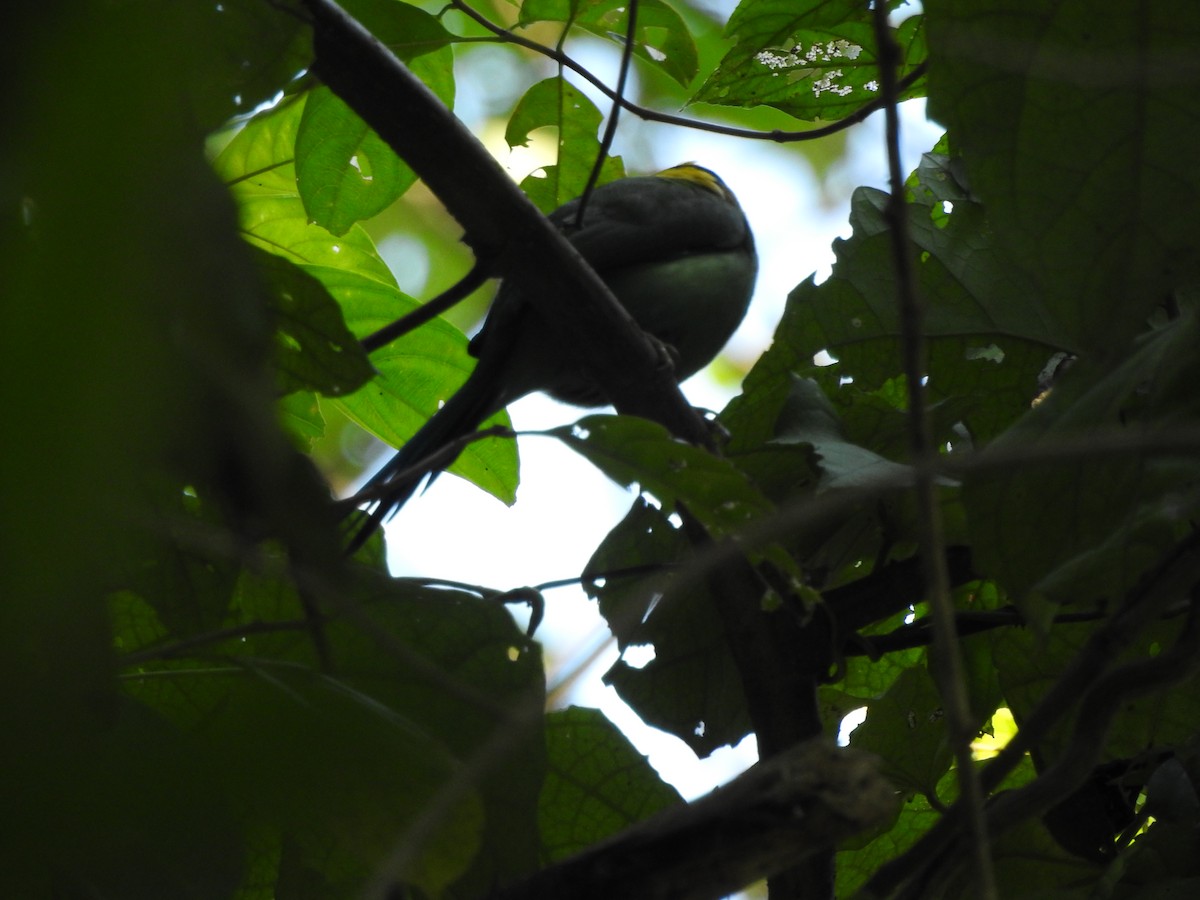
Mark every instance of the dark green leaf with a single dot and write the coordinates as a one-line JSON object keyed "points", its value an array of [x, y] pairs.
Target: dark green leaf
{"points": [[809, 418], [1079, 133], [300, 415], [314, 351], [984, 323], [366, 773], [661, 36], [596, 783], [634, 451], [1083, 530], [237, 54], [814, 61], [1028, 664], [691, 688], [419, 679], [906, 728]]}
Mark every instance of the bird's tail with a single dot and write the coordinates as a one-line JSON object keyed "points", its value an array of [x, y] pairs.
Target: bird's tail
{"points": [[392, 486]]}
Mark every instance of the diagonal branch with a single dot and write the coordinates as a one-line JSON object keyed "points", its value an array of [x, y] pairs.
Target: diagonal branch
{"points": [[800, 803]]}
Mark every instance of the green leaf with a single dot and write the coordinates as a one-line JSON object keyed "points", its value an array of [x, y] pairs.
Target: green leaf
{"points": [[661, 36], [416, 372], [813, 61], [557, 104], [258, 165], [985, 324], [857, 863], [1084, 529], [596, 783], [1085, 166], [484, 679], [864, 679], [314, 350], [300, 415], [135, 623], [344, 170], [417, 38], [691, 688], [631, 451], [906, 728], [185, 589]]}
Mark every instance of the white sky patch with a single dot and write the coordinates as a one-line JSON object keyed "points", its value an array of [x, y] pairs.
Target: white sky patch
{"points": [[565, 506]]}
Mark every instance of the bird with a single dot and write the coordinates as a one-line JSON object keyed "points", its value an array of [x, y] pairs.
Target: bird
{"points": [[675, 249]]}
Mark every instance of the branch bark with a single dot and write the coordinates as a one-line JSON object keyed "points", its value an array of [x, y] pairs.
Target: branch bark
{"points": [[803, 802]]}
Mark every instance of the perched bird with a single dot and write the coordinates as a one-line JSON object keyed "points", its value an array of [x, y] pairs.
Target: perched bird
{"points": [[674, 248]]}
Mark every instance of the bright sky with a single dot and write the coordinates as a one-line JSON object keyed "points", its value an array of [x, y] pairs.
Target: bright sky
{"points": [[565, 507]]}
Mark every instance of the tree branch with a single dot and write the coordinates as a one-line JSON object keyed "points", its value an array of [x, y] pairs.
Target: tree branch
{"points": [[800, 803]]}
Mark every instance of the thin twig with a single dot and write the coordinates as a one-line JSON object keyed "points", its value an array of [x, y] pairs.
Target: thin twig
{"points": [[776, 135], [947, 662], [161, 652], [456, 293], [610, 127]]}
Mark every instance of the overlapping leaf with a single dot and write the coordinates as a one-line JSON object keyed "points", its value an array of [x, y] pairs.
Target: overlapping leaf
{"points": [[691, 688], [344, 170], [813, 60], [557, 104], [661, 36], [417, 372], [596, 783], [1078, 131]]}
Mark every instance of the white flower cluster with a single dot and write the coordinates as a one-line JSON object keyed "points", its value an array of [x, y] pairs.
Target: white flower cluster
{"points": [[825, 83], [817, 54]]}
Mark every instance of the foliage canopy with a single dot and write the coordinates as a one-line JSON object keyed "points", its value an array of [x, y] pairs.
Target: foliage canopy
{"points": [[204, 699]]}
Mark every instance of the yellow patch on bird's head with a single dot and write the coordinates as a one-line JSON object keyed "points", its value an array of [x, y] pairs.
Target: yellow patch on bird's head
{"points": [[706, 178]]}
